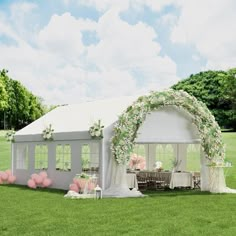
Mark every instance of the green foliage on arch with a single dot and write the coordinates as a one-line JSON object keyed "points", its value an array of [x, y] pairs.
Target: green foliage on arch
{"points": [[125, 130]]}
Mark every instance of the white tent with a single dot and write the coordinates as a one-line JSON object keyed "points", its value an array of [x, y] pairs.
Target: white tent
{"points": [[71, 124], [62, 157]]}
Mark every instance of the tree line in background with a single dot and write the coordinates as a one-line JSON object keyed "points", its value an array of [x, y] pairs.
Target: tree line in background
{"points": [[217, 89], [18, 106]]}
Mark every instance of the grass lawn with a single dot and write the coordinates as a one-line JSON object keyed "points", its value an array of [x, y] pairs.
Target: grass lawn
{"points": [[46, 212], [5, 152]]}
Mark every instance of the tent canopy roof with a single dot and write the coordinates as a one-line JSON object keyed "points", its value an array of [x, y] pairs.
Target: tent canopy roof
{"points": [[79, 117]]}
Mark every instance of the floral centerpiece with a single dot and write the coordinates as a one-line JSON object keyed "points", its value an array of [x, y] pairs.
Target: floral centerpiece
{"points": [[137, 162], [125, 130], [96, 130], [48, 133], [10, 136], [158, 166]]}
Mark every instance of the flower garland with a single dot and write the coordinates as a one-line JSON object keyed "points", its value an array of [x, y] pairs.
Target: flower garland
{"points": [[96, 130], [125, 130], [10, 136], [48, 133], [219, 163]]}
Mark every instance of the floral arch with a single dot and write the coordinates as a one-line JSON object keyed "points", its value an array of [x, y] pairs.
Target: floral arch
{"points": [[125, 130]]}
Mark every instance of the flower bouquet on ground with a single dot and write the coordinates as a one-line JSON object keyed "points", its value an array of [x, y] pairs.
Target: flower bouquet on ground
{"points": [[84, 184]]}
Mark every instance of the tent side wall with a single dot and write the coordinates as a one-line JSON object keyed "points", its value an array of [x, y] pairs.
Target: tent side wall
{"points": [[24, 157]]}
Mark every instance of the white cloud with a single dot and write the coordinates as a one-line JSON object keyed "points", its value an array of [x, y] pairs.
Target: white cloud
{"points": [[114, 83], [128, 47], [195, 57], [122, 45], [209, 26], [103, 5], [21, 8], [62, 69], [20, 18], [156, 5], [168, 20], [66, 2], [122, 5], [63, 36]]}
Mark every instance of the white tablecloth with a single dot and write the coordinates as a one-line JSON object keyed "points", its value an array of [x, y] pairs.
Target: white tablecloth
{"points": [[132, 180], [181, 179]]}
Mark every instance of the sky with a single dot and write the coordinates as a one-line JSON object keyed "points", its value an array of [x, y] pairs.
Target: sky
{"points": [[69, 51]]}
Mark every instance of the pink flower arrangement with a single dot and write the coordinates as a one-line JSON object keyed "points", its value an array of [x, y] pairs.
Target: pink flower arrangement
{"points": [[6, 177], [137, 162], [39, 180], [81, 185]]}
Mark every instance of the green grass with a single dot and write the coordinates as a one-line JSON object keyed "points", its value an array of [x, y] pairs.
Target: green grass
{"points": [[5, 152], [190, 212], [35, 212]]}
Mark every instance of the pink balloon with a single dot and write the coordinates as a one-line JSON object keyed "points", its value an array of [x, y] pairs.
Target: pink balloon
{"points": [[75, 181], [34, 176], [47, 182], [1, 173], [43, 174], [38, 179], [74, 187], [4, 176], [11, 179], [8, 172], [31, 183]]}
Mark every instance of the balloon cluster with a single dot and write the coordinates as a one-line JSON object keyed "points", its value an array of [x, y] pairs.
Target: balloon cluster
{"points": [[7, 177], [39, 180], [81, 185]]}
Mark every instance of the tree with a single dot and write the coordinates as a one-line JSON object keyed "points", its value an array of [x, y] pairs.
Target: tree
{"points": [[230, 92], [22, 107], [209, 87], [3, 93]]}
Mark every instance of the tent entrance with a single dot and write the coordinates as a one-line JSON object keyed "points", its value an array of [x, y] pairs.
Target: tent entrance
{"points": [[166, 156]]}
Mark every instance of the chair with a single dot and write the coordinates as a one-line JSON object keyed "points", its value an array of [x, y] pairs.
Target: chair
{"points": [[142, 181], [197, 180], [166, 176], [156, 181]]}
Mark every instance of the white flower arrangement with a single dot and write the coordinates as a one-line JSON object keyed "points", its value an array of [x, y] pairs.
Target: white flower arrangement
{"points": [[125, 130], [10, 136], [96, 130], [48, 133]]}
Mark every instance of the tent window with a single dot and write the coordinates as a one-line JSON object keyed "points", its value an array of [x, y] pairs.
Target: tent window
{"points": [[193, 157], [90, 156], [138, 157], [63, 157], [22, 157], [165, 154], [85, 156], [41, 157]]}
